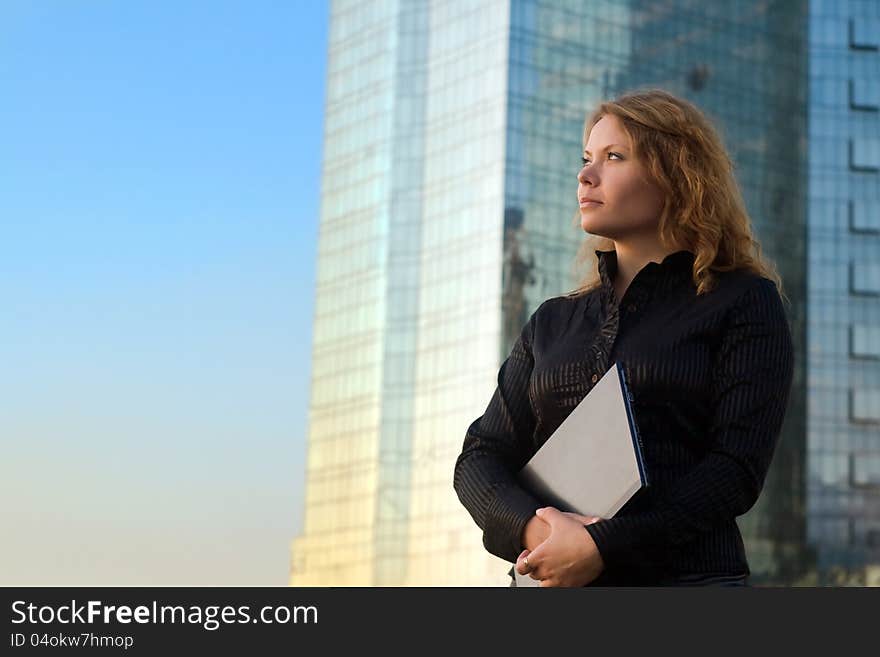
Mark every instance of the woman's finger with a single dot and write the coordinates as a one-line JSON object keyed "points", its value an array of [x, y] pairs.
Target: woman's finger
{"points": [[586, 520], [521, 566]]}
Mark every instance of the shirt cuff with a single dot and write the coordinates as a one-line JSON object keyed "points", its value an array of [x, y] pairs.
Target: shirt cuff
{"points": [[626, 540], [506, 518]]}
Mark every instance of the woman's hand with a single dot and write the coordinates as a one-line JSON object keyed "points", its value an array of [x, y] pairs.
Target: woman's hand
{"points": [[536, 532], [568, 557]]}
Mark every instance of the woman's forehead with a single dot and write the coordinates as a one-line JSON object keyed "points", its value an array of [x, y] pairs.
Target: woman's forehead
{"points": [[608, 129]]}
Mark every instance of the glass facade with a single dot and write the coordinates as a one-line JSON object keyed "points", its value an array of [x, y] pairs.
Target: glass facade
{"points": [[351, 306], [408, 306], [844, 291], [452, 144]]}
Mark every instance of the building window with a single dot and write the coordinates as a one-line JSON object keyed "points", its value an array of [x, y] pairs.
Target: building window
{"points": [[864, 341], [835, 530], [864, 33], [864, 405], [865, 278], [864, 154], [864, 93], [864, 216], [866, 531], [864, 470]]}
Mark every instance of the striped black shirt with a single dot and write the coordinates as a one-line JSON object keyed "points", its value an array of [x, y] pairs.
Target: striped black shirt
{"points": [[710, 377]]}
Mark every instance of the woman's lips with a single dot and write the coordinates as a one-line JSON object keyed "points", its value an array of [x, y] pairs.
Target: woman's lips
{"points": [[589, 204]]}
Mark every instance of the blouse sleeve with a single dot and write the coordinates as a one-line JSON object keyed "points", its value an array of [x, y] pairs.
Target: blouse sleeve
{"points": [[751, 384], [496, 446]]}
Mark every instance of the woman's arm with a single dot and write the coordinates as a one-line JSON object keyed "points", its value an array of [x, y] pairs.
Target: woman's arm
{"points": [[496, 446], [751, 384]]}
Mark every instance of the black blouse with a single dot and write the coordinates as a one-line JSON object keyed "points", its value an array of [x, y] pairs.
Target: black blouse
{"points": [[710, 377]]}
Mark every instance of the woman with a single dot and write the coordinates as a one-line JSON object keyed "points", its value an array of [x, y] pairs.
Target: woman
{"points": [[681, 298]]}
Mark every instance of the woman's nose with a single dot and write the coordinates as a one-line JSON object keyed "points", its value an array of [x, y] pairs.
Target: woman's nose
{"points": [[586, 175]]}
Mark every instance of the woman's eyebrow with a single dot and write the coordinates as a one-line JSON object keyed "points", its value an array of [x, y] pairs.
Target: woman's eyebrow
{"points": [[606, 148]]}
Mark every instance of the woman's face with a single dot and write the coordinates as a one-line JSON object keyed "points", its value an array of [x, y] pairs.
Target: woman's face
{"points": [[627, 202]]}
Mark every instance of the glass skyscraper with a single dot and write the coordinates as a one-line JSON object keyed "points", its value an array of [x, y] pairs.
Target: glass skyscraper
{"points": [[844, 291], [452, 140]]}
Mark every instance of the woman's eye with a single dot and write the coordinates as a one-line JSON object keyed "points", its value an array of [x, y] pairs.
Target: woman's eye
{"points": [[585, 160]]}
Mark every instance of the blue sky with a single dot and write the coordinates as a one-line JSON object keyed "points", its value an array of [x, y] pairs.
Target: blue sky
{"points": [[159, 202]]}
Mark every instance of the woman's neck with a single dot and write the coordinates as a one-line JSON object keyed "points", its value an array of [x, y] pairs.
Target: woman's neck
{"points": [[631, 259]]}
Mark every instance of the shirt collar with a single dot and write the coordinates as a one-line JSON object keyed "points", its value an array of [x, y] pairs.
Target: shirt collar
{"points": [[673, 267]]}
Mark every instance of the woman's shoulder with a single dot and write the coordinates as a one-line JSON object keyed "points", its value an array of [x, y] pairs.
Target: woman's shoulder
{"points": [[560, 306], [554, 314], [745, 295], [744, 285]]}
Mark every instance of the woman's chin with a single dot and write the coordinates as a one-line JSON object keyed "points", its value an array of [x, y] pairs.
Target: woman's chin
{"points": [[590, 226]]}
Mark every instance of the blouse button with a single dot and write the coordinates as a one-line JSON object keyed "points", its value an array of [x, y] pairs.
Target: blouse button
{"points": [[595, 378]]}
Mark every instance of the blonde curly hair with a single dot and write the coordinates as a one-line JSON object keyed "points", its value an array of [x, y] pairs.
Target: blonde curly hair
{"points": [[704, 211]]}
